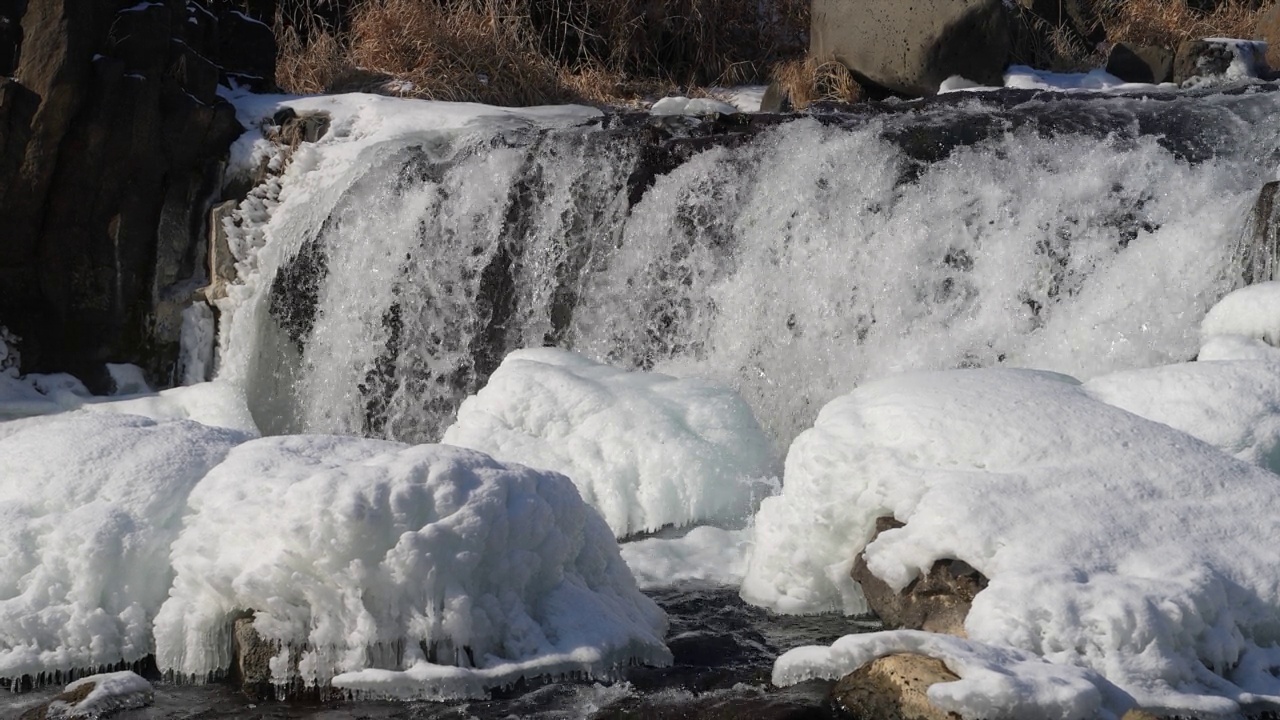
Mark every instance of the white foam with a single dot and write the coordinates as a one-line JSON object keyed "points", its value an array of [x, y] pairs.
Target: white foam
{"points": [[426, 571], [1111, 542], [646, 450]]}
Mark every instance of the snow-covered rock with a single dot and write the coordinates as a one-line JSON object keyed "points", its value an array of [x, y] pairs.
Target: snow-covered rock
{"points": [[99, 696], [645, 449], [1115, 546], [89, 504], [428, 571], [1252, 311]]}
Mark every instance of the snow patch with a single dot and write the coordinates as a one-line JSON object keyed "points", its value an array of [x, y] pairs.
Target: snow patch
{"points": [[704, 556], [646, 450], [127, 379], [426, 571]]}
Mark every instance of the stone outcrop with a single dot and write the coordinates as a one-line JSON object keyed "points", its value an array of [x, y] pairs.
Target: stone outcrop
{"points": [[112, 137], [910, 48], [937, 602], [1267, 29], [894, 688], [1140, 63]]}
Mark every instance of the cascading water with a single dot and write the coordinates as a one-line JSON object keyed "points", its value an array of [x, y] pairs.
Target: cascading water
{"points": [[791, 258]]}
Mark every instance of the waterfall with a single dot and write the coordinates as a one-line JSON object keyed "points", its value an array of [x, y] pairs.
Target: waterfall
{"points": [[789, 257]]}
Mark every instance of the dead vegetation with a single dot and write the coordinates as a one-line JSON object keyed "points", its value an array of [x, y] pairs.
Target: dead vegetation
{"points": [[525, 52], [1167, 23], [522, 52]]}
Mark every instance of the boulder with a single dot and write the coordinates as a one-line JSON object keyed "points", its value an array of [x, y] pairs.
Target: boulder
{"points": [[1214, 59], [1140, 63], [910, 48], [251, 659], [1267, 29], [894, 688], [937, 602]]}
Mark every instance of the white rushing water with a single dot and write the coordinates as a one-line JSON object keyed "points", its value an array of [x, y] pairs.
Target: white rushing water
{"points": [[1082, 237]]}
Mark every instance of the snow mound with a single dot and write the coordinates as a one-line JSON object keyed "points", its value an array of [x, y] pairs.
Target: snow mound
{"points": [[111, 693], [1252, 311], [426, 571], [646, 450], [89, 504], [692, 106], [1111, 542], [216, 404], [994, 682], [1236, 347]]}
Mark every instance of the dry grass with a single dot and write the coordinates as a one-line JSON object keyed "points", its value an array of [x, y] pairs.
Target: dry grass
{"points": [[521, 52], [1167, 23], [806, 82]]}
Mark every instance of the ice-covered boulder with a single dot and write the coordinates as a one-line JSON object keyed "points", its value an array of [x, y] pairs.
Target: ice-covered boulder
{"points": [[89, 504], [1112, 544], [96, 697], [646, 450], [428, 571]]}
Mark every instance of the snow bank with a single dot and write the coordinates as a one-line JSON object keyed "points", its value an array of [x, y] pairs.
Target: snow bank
{"points": [[692, 106], [216, 404], [89, 504], [1111, 542], [646, 450], [111, 693], [1252, 311], [425, 571]]}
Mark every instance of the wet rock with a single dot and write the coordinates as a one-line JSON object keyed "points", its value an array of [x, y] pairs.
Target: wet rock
{"points": [[1140, 63], [894, 688], [910, 48], [251, 659], [222, 264], [1259, 252], [937, 602]]}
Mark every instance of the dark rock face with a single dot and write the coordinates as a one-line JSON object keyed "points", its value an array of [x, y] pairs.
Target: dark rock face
{"points": [[1140, 63], [111, 141], [937, 602], [910, 48]]}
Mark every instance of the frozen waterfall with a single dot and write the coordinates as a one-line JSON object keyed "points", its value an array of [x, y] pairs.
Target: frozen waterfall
{"points": [[790, 258]]}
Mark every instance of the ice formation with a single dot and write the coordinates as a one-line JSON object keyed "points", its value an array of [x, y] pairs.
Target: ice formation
{"points": [[646, 450], [111, 693], [1112, 543], [89, 505], [691, 106], [429, 571]]}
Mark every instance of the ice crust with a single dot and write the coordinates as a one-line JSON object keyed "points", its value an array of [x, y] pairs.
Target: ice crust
{"points": [[645, 449], [427, 571], [703, 556], [1112, 543], [692, 106], [89, 505]]}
